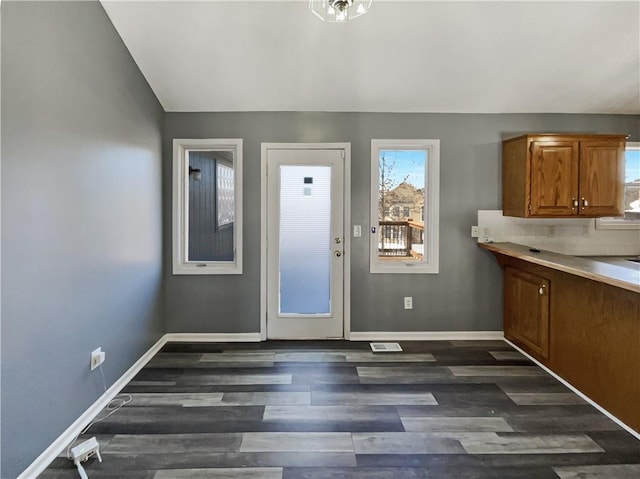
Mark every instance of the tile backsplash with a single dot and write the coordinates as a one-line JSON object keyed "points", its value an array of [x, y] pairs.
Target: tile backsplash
{"points": [[574, 236]]}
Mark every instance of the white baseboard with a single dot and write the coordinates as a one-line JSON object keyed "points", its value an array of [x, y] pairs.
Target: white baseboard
{"points": [[38, 466], [353, 336], [425, 335], [634, 433], [213, 337]]}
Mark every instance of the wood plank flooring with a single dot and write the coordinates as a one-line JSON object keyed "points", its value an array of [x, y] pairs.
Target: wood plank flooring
{"points": [[334, 409]]}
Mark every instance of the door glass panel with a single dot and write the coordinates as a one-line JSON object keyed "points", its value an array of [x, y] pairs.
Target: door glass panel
{"points": [[305, 239]]}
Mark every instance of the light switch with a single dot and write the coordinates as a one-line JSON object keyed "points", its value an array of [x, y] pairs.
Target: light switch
{"points": [[357, 231]]}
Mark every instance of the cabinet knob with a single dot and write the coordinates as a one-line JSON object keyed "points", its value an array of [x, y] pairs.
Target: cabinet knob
{"points": [[574, 203], [542, 288], [585, 203]]}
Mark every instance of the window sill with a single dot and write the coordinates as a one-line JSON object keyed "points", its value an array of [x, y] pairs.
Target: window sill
{"points": [[206, 269], [404, 268], [619, 223]]}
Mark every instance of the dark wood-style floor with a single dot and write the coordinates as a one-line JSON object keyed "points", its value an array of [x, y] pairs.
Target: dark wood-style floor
{"points": [[320, 410]]}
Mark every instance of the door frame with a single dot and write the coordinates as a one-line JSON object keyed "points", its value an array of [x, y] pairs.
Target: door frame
{"points": [[264, 149]]}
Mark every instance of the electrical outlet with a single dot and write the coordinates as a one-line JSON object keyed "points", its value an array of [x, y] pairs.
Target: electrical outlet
{"points": [[475, 231], [97, 358], [408, 302]]}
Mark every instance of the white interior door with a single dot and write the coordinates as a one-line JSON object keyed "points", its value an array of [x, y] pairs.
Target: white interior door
{"points": [[305, 243]]}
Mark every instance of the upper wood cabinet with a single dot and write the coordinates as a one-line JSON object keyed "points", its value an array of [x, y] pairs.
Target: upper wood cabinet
{"points": [[555, 175]]}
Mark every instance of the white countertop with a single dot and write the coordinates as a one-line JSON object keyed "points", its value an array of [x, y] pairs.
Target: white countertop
{"points": [[609, 270]]}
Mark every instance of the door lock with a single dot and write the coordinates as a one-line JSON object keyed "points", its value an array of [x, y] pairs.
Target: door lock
{"points": [[338, 240], [338, 253]]}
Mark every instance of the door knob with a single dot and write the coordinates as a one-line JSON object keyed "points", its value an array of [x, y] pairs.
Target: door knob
{"points": [[338, 253], [338, 240]]}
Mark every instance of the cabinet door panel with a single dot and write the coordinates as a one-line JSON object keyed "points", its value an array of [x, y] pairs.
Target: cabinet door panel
{"points": [[601, 178], [554, 178], [526, 314]]}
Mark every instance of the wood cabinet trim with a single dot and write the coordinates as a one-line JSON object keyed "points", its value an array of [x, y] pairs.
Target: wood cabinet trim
{"points": [[566, 137]]}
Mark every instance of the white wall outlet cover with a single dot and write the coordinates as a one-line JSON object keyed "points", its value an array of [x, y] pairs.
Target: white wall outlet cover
{"points": [[475, 231], [357, 231], [408, 302], [97, 358]]}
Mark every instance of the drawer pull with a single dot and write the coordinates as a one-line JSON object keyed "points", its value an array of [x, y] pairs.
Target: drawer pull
{"points": [[542, 288]]}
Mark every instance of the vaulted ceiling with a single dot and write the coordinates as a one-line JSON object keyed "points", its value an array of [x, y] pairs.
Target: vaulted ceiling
{"points": [[402, 56]]}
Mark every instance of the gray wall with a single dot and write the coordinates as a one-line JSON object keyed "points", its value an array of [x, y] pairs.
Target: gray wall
{"points": [[466, 295], [81, 218]]}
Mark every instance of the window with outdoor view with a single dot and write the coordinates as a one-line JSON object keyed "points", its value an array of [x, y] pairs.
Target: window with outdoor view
{"points": [[404, 206], [631, 219], [632, 181]]}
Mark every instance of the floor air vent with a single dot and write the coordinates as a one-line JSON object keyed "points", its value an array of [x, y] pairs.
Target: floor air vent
{"points": [[385, 347]]}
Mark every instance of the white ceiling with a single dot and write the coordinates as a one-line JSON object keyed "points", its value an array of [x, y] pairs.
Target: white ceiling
{"points": [[419, 56]]}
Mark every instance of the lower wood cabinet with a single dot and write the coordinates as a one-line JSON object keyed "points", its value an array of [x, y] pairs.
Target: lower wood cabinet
{"points": [[585, 331], [526, 311]]}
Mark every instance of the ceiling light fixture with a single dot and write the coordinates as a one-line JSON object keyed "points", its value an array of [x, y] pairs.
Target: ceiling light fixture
{"points": [[339, 10]]}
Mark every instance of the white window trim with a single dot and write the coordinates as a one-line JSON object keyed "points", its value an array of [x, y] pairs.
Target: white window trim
{"points": [[430, 264], [181, 205], [619, 223]]}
